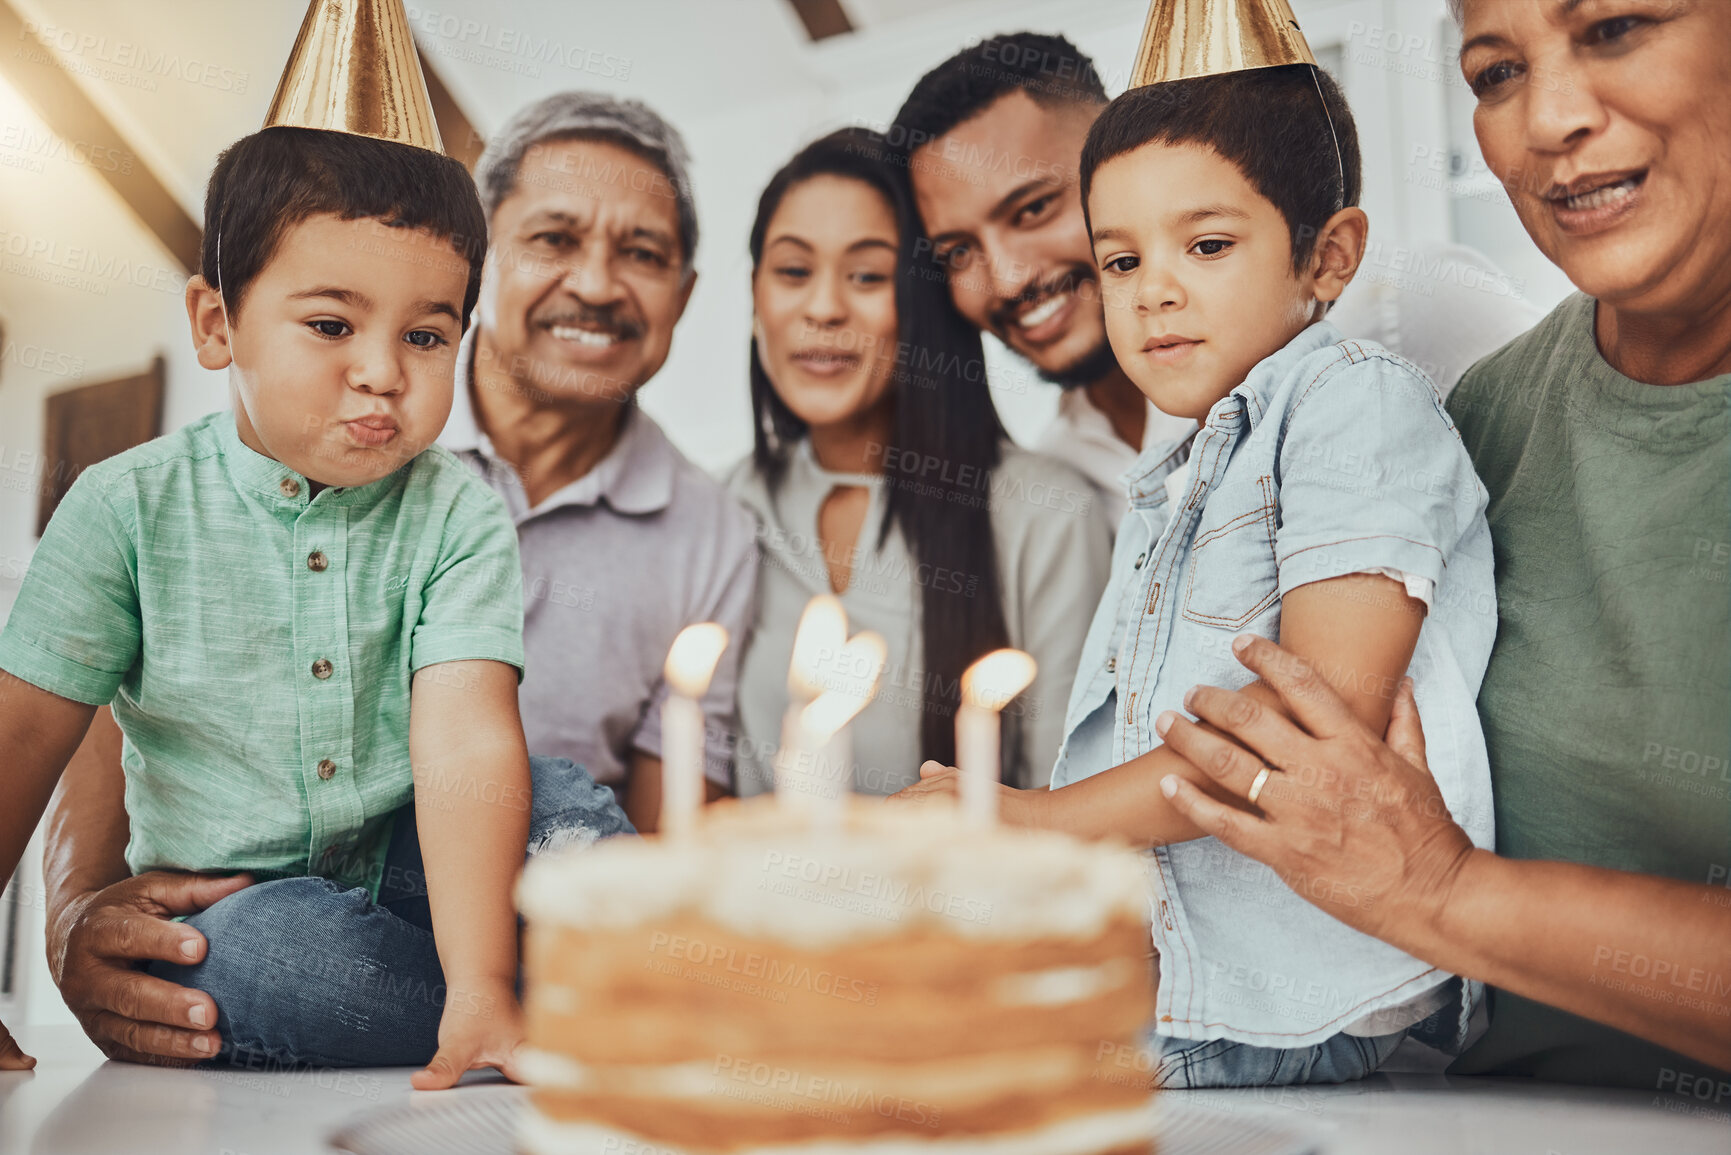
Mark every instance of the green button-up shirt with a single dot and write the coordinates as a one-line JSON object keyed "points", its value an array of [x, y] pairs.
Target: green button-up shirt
{"points": [[257, 646]]}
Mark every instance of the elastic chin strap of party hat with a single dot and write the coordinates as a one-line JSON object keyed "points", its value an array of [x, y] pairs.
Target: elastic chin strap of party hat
{"points": [[1339, 161], [222, 296]]}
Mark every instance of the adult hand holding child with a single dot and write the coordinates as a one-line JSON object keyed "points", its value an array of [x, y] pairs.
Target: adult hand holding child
{"points": [[1358, 828], [106, 924], [98, 943], [1328, 784]]}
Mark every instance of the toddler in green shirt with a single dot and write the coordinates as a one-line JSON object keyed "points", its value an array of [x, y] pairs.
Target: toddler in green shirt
{"points": [[307, 619]]}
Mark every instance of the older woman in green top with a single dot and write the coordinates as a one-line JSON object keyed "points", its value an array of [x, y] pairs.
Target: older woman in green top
{"points": [[1603, 923]]}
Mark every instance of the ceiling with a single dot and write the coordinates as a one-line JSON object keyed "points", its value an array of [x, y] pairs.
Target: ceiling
{"points": [[181, 79]]}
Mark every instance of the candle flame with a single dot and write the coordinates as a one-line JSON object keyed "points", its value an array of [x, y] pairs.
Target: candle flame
{"points": [[996, 678], [822, 630], [691, 661], [829, 712], [859, 663]]}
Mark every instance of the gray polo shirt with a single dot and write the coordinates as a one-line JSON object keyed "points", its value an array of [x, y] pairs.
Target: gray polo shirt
{"points": [[615, 564]]}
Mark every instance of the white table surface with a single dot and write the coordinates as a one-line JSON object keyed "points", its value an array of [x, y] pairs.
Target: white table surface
{"points": [[74, 1103]]}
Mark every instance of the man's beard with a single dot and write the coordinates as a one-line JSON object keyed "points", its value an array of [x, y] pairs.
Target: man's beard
{"points": [[1084, 370]]}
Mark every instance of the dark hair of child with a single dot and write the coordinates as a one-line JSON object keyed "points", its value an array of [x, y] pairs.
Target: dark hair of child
{"points": [[265, 184], [1270, 123]]}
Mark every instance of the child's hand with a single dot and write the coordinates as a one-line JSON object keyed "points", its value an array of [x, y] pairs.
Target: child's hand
{"points": [[482, 1026], [939, 782], [12, 1056], [936, 781]]}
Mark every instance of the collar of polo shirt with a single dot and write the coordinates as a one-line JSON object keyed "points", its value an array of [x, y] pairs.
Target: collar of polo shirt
{"points": [[635, 478]]}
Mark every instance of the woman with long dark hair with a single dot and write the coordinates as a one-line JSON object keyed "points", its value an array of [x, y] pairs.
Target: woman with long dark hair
{"points": [[881, 474]]}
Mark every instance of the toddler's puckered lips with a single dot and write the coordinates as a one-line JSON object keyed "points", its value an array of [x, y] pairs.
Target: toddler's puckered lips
{"points": [[373, 430], [1594, 202], [1170, 348]]}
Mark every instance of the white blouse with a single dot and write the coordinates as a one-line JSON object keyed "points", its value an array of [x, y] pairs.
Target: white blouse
{"points": [[1054, 550]]}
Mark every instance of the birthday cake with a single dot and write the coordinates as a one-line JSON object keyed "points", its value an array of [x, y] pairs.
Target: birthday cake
{"points": [[893, 981]]}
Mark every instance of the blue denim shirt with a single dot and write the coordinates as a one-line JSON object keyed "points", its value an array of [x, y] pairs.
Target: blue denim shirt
{"points": [[1333, 457]]}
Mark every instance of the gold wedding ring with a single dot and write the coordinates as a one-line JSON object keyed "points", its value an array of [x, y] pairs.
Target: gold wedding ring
{"points": [[1257, 784]]}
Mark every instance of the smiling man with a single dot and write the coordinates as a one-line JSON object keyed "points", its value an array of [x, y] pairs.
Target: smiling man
{"points": [[995, 133], [593, 235]]}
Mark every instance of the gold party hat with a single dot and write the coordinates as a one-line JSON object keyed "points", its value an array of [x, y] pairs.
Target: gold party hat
{"points": [[354, 70], [1186, 38]]}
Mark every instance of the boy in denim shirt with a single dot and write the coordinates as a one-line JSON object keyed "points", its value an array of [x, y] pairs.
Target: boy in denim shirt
{"points": [[308, 620], [1325, 502]]}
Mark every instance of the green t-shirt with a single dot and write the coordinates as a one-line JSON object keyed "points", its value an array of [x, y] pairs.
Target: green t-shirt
{"points": [[1607, 704], [257, 646]]}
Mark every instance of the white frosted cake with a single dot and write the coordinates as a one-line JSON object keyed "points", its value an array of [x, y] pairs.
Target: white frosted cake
{"points": [[896, 984]]}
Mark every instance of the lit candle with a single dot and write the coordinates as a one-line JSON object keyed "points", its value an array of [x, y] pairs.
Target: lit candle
{"points": [[690, 665], [823, 726], [821, 635], [987, 687]]}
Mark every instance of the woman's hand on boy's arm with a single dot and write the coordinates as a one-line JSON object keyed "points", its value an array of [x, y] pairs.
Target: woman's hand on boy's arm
{"points": [[1360, 628], [1358, 631], [1405, 847], [472, 805], [1370, 838]]}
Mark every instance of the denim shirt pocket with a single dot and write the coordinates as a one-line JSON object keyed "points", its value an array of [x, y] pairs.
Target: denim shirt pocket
{"points": [[1233, 575]]}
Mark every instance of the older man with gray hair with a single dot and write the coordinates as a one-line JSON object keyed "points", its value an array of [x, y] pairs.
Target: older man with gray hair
{"points": [[623, 541]]}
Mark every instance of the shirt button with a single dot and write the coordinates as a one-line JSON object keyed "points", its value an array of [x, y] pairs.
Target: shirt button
{"points": [[327, 769], [317, 561], [289, 486], [1140, 558], [1111, 665], [322, 668]]}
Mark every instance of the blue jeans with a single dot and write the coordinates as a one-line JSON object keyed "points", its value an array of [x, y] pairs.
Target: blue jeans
{"points": [[1185, 1064], [306, 972]]}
